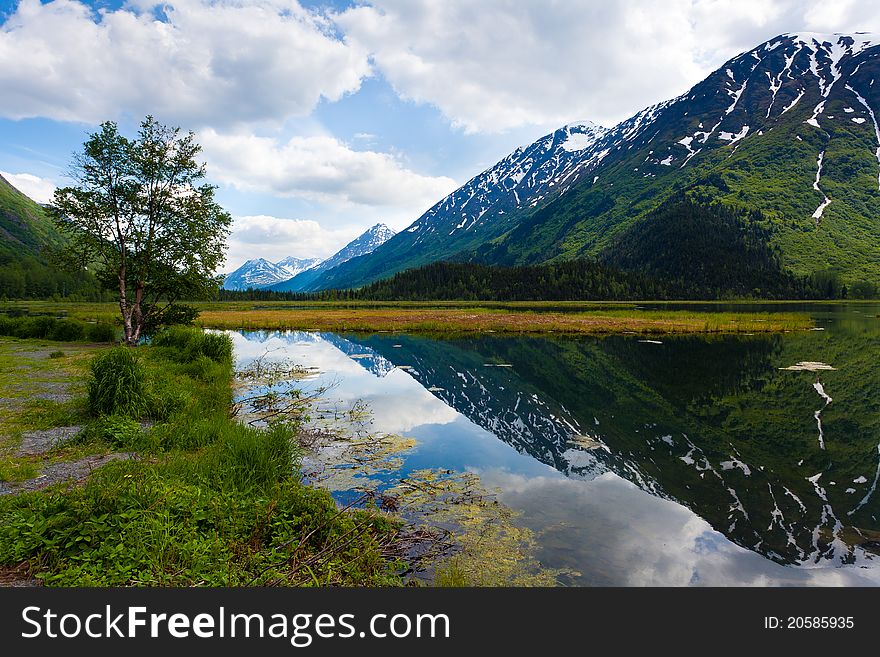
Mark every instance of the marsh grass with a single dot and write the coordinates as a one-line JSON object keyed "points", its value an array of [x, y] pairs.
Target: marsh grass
{"points": [[475, 320], [574, 317]]}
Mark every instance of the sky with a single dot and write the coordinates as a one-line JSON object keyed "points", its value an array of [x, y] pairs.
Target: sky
{"points": [[320, 118]]}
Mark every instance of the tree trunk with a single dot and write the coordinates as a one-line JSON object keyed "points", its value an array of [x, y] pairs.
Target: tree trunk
{"points": [[137, 316], [126, 312]]}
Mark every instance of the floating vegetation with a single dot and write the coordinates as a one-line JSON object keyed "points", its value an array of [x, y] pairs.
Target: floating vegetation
{"points": [[491, 549], [808, 366], [343, 462]]}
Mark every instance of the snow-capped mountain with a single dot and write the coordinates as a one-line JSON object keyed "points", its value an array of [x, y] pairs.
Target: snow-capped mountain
{"points": [[523, 178], [294, 266], [789, 128], [259, 272], [364, 244], [486, 205]]}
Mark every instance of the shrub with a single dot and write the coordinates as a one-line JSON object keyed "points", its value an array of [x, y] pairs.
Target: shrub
{"points": [[67, 330], [117, 385], [191, 343], [49, 328], [7, 325], [34, 327], [100, 333], [56, 354]]}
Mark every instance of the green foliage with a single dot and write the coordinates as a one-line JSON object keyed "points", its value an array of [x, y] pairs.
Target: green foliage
{"points": [[572, 280], [118, 431], [68, 330], [864, 290], [26, 235], [141, 211], [174, 314], [117, 386], [191, 343], [49, 328], [245, 458], [100, 333], [143, 524], [56, 354], [702, 250]]}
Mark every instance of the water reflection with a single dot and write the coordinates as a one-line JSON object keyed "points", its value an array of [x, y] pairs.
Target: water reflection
{"points": [[693, 461]]}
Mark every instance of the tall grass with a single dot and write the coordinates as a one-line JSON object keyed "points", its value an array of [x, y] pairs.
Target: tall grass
{"points": [[188, 344], [117, 386]]}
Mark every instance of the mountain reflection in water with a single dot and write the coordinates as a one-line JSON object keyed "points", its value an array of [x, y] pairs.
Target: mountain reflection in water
{"points": [[693, 461]]}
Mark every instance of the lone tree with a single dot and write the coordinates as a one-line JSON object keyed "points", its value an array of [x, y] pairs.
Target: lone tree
{"points": [[141, 213]]}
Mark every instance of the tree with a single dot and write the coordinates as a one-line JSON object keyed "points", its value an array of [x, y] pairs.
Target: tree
{"points": [[142, 215]]}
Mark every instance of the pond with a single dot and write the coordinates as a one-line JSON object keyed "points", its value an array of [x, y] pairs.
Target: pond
{"points": [[689, 460]]}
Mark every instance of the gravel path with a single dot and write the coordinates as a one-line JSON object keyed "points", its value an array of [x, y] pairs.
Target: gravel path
{"points": [[69, 471]]}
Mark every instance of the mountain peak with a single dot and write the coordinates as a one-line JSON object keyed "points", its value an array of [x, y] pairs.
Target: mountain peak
{"points": [[380, 229]]}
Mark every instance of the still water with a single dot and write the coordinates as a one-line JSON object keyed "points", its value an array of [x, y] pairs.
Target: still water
{"points": [[672, 461]]}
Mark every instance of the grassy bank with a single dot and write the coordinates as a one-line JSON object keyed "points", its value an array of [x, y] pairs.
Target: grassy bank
{"points": [[510, 317], [503, 321], [198, 499]]}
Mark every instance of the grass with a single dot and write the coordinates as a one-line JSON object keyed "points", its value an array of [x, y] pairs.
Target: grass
{"points": [[479, 319], [206, 501], [594, 318], [29, 368]]}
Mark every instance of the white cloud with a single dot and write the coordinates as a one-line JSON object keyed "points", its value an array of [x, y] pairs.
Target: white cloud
{"points": [[494, 65], [275, 238], [320, 168], [209, 63], [38, 189]]}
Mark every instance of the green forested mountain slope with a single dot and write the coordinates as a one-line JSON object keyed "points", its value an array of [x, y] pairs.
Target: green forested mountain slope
{"points": [[789, 129], [28, 238], [24, 226]]}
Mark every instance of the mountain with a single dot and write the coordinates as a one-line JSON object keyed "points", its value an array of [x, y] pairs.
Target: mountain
{"points": [[363, 245], [788, 129], [481, 209], [24, 226], [27, 238], [259, 272], [294, 266]]}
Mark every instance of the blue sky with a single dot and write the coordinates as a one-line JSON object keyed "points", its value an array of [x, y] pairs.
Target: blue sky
{"points": [[319, 119]]}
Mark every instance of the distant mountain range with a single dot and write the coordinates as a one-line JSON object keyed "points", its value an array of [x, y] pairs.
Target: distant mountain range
{"points": [[259, 272], [282, 275], [788, 130]]}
